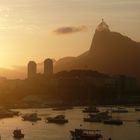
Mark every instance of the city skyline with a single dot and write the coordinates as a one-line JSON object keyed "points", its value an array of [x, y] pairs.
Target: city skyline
{"points": [[69, 69]]}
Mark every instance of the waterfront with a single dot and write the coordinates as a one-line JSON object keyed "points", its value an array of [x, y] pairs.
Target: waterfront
{"points": [[41, 130]]}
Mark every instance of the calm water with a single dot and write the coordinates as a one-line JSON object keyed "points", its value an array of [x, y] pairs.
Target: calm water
{"points": [[41, 130]]}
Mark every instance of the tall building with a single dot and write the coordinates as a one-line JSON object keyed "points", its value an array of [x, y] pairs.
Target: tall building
{"points": [[32, 69], [48, 67]]}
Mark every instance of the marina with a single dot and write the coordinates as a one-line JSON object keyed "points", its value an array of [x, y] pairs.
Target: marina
{"points": [[41, 130]]}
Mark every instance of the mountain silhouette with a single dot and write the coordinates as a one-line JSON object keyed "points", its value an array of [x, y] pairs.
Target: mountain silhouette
{"points": [[110, 52]]}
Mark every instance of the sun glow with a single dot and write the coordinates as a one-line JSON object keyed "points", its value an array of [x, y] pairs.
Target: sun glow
{"points": [[27, 27]]}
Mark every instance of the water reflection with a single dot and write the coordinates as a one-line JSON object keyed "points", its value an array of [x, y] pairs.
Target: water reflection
{"points": [[41, 130]]}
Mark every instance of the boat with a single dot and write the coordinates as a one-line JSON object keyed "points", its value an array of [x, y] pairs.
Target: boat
{"points": [[99, 117], [119, 110], [31, 117], [6, 113], [18, 134], [91, 109], [86, 134], [59, 119], [137, 109], [62, 108], [113, 122]]}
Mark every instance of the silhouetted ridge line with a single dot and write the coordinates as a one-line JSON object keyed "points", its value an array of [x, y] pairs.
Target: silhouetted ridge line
{"points": [[110, 52]]}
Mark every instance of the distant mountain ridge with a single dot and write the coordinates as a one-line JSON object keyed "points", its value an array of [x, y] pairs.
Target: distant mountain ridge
{"points": [[110, 52]]}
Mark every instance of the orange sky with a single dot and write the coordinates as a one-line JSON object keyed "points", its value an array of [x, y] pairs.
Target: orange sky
{"points": [[37, 29]]}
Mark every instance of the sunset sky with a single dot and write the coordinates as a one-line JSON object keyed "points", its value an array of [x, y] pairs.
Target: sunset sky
{"points": [[37, 29]]}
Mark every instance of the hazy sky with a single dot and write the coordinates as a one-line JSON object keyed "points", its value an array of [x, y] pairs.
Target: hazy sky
{"points": [[37, 29]]}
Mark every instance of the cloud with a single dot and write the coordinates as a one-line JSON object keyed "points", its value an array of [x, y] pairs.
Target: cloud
{"points": [[70, 29]]}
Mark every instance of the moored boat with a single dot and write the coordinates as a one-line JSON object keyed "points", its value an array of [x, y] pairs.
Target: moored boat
{"points": [[119, 110], [31, 117], [5, 113], [91, 109], [99, 117], [139, 120], [59, 119], [137, 109], [86, 134], [18, 134], [113, 122], [62, 108]]}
